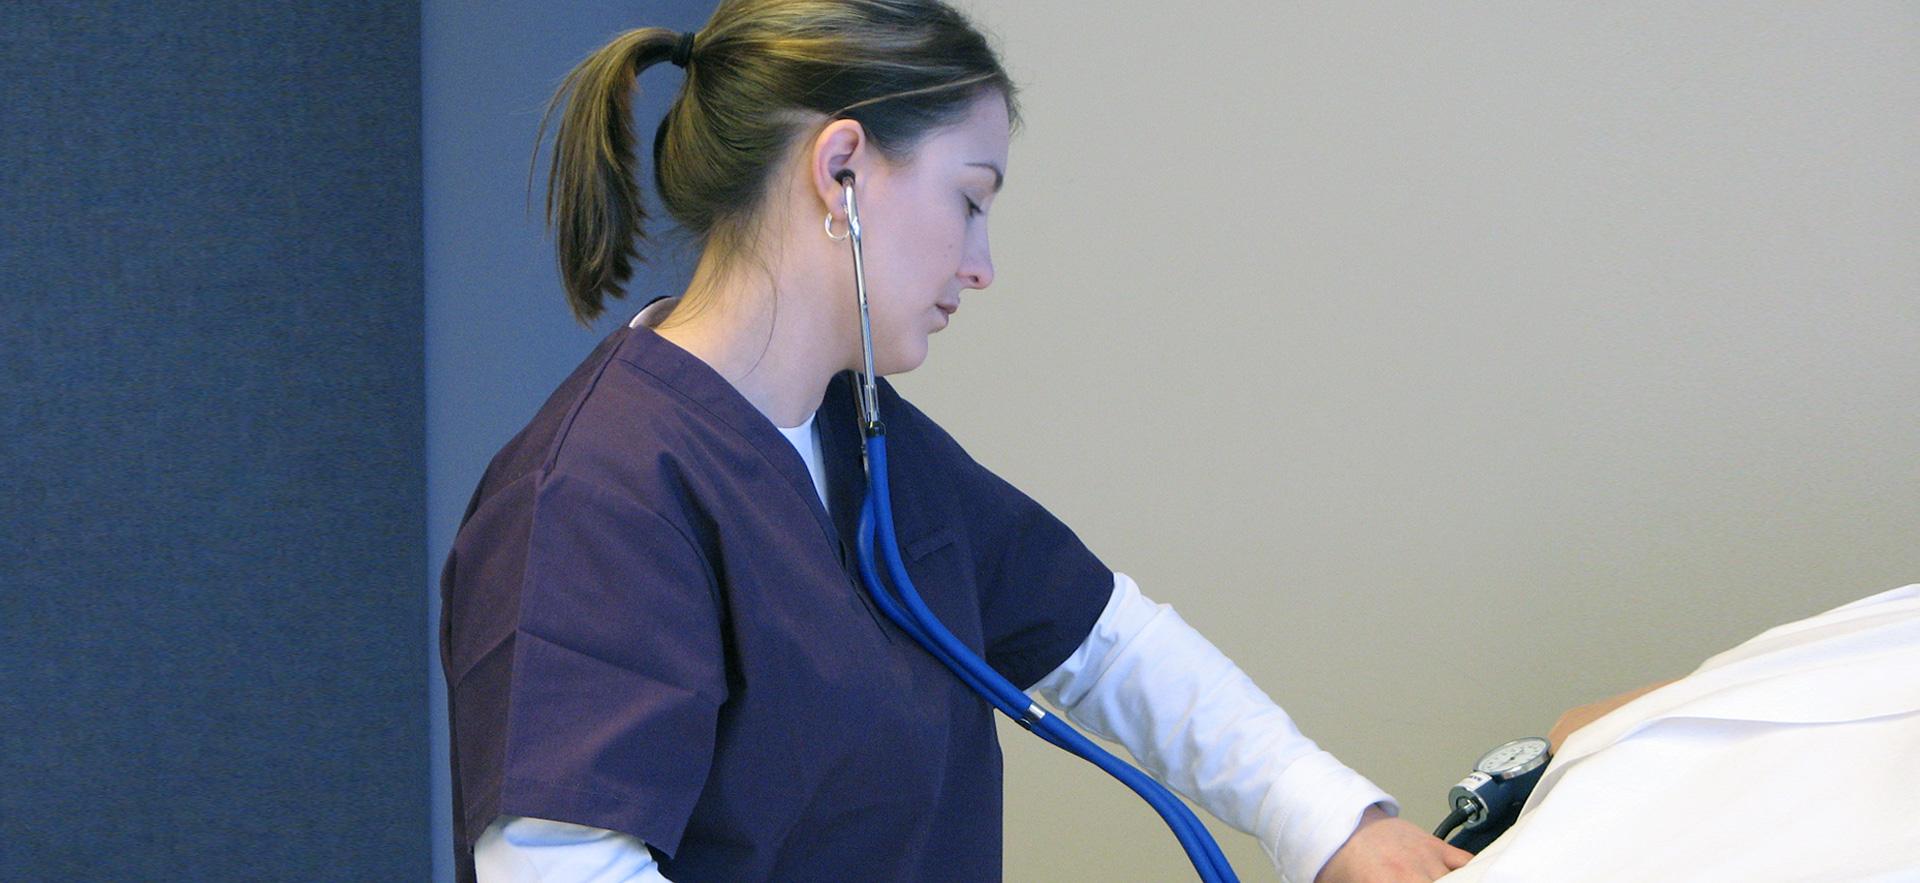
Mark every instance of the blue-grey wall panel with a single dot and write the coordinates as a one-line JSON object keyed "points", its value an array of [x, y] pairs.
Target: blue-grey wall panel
{"points": [[499, 337], [211, 443]]}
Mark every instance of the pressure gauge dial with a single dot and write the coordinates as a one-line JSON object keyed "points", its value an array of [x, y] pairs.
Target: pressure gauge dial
{"points": [[1487, 801], [1516, 758]]}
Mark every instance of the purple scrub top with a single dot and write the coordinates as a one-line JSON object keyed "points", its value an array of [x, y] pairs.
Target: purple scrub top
{"points": [[650, 624]]}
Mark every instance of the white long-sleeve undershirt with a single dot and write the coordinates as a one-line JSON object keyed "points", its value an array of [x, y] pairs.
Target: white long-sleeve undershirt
{"points": [[1196, 723]]}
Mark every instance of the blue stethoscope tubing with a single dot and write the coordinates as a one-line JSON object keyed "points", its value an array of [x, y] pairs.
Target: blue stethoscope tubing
{"points": [[913, 617], [911, 614]]}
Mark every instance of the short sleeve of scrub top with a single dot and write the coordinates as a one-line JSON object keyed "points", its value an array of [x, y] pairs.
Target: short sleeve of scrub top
{"points": [[1041, 589], [650, 624]]}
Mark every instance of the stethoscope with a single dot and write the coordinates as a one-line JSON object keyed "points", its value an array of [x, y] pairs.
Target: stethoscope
{"points": [[912, 616]]}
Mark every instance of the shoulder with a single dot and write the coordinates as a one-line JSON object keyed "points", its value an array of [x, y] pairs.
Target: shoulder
{"points": [[607, 431], [907, 423], [941, 467]]}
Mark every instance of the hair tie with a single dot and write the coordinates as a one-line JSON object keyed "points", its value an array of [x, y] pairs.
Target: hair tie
{"points": [[683, 50]]}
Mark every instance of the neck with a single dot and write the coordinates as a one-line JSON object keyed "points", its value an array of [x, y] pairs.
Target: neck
{"points": [[769, 334]]}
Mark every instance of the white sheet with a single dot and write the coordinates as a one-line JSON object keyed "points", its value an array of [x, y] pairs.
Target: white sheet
{"points": [[1794, 756]]}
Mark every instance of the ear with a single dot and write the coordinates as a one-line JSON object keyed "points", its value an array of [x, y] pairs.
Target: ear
{"points": [[842, 145]]}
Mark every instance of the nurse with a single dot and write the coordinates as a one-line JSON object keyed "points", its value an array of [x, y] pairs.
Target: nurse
{"points": [[660, 663]]}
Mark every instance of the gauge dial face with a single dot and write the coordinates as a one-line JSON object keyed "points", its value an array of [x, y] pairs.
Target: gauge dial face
{"points": [[1513, 758]]}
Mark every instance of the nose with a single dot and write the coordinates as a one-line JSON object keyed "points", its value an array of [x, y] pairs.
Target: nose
{"points": [[977, 270]]}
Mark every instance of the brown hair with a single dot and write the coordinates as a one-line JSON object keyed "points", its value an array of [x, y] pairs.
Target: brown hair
{"points": [[760, 71]]}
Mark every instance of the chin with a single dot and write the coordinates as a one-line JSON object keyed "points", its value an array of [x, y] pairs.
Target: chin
{"points": [[902, 360]]}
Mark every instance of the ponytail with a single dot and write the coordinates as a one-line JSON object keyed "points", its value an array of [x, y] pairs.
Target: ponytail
{"points": [[593, 201]]}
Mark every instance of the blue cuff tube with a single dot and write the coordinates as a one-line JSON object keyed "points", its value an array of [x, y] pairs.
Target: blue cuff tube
{"points": [[911, 614]]}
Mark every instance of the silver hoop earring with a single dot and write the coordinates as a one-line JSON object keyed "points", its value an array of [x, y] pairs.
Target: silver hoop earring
{"points": [[829, 225]]}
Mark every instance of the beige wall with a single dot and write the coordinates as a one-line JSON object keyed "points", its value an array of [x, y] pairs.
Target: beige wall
{"points": [[1448, 366]]}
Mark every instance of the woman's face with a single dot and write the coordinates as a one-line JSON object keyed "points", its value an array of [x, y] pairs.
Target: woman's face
{"points": [[924, 232]]}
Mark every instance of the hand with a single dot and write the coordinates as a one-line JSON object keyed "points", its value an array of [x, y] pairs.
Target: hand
{"points": [[1576, 718], [1384, 849]]}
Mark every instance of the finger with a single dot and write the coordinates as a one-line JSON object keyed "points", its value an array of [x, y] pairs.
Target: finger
{"points": [[1456, 857]]}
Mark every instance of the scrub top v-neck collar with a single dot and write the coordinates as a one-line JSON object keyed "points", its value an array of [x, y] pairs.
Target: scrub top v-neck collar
{"points": [[688, 375]]}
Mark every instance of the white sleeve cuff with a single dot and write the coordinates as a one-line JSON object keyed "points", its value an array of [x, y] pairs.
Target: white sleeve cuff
{"points": [[1300, 839], [521, 849], [1194, 721]]}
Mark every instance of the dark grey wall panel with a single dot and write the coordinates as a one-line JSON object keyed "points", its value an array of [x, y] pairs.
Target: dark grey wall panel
{"points": [[212, 483]]}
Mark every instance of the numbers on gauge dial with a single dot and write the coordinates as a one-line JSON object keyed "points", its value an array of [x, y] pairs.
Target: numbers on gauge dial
{"points": [[1513, 757]]}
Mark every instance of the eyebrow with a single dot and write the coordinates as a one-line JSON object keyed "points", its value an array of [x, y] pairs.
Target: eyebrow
{"points": [[999, 177]]}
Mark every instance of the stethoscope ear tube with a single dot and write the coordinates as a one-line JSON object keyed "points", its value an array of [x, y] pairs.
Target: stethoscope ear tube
{"points": [[869, 396]]}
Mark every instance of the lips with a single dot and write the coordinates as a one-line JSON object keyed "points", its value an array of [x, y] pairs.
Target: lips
{"points": [[949, 309]]}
